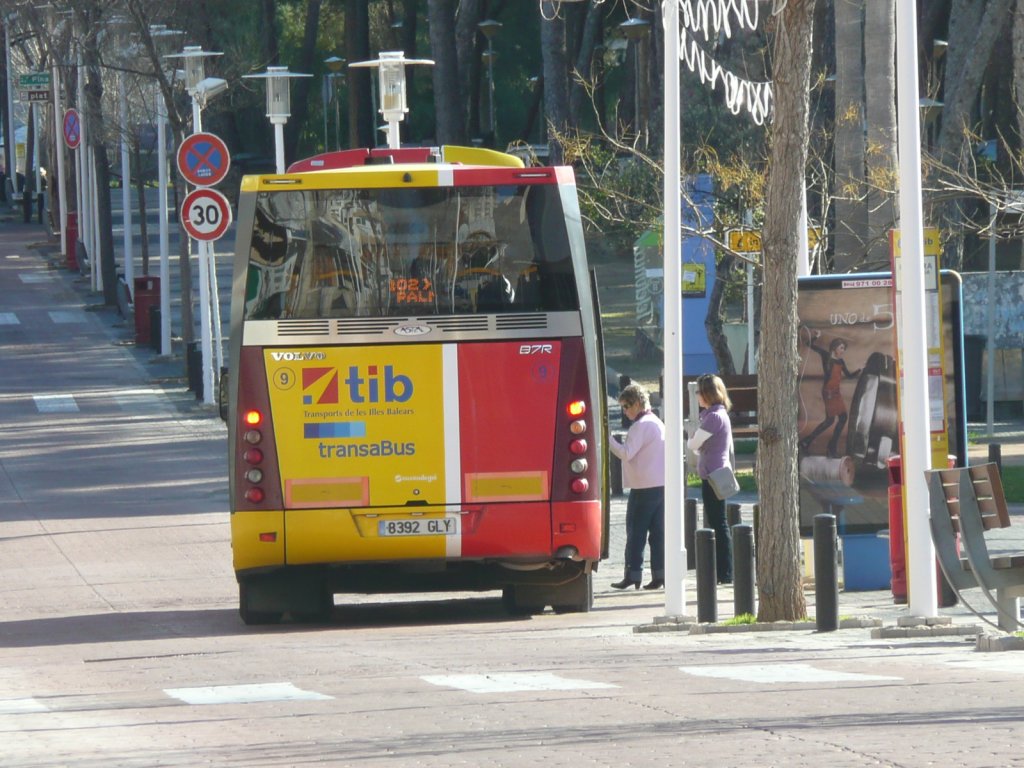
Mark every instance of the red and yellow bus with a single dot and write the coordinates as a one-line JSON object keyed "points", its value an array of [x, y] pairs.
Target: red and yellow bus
{"points": [[416, 397]]}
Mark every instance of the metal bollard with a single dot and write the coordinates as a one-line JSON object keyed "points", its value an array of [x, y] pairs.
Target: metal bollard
{"points": [[742, 569], [733, 514], [995, 455], [826, 577], [689, 526], [707, 585]]}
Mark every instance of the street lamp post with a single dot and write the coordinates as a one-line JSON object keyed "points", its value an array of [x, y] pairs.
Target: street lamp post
{"points": [[334, 66], [161, 37], [489, 28], [279, 105], [391, 80]]}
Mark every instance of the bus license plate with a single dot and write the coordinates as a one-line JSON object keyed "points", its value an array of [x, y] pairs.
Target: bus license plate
{"points": [[419, 526]]}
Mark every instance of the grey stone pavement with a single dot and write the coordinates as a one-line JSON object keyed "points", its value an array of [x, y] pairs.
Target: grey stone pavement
{"points": [[862, 726]]}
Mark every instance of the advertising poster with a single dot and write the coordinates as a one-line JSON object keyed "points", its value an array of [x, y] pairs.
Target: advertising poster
{"points": [[848, 412]]}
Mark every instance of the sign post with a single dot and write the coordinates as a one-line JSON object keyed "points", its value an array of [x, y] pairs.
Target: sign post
{"points": [[203, 160]]}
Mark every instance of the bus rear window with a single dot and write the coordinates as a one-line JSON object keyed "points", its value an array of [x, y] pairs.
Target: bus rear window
{"points": [[409, 252]]}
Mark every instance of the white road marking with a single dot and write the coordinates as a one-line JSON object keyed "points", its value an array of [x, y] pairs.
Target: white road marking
{"points": [[9, 318], [21, 706], [55, 403], [781, 673], [67, 316], [513, 682], [34, 277], [244, 694]]}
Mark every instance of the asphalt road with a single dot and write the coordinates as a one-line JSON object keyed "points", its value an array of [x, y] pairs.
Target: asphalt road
{"points": [[120, 643]]}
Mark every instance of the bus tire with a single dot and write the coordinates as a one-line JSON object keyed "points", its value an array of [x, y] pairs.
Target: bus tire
{"points": [[510, 601], [575, 597], [253, 617]]}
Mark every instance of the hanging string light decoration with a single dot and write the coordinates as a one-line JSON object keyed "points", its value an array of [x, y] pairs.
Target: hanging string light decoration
{"points": [[709, 19]]}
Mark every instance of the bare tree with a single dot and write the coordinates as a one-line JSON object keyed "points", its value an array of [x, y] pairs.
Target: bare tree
{"points": [[778, 562], [556, 75], [880, 99], [450, 109], [851, 216]]}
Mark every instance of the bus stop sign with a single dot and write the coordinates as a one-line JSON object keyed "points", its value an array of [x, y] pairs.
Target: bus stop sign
{"points": [[205, 214], [203, 159]]}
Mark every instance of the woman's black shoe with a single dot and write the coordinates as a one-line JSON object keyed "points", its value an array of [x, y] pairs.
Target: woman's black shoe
{"points": [[655, 584], [626, 584]]}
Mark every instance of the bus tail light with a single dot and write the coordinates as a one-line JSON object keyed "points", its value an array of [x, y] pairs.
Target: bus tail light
{"points": [[577, 467], [256, 482], [576, 408], [255, 495]]}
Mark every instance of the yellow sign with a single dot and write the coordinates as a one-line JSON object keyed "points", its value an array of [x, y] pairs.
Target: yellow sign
{"points": [[932, 244], [744, 240], [749, 240], [694, 280]]}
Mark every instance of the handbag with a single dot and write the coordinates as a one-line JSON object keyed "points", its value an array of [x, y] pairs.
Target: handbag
{"points": [[723, 482]]}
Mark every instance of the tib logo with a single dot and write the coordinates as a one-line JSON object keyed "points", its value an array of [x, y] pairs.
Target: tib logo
{"points": [[371, 387]]}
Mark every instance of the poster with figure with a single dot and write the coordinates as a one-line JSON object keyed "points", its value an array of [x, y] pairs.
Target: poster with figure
{"points": [[847, 389]]}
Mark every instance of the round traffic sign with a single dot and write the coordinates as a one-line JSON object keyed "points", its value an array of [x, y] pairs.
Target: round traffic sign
{"points": [[203, 159], [72, 128], [205, 214]]}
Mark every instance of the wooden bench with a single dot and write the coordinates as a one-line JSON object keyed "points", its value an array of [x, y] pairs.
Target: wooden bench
{"points": [[969, 501], [742, 390]]}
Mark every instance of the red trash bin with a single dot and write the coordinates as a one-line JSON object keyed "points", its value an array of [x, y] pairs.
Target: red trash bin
{"points": [[897, 545], [146, 295], [71, 236]]}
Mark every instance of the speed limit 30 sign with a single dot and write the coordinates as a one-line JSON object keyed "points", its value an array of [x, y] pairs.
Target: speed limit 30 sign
{"points": [[205, 214]]}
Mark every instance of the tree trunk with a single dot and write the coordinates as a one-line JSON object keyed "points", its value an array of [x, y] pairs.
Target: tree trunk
{"points": [[880, 75], [467, 52], [450, 111], [96, 135], [713, 319], [556, 76], [301, 85], [972, 37], [851, 213], [361, 121], [1018, 64], [778, 560]]}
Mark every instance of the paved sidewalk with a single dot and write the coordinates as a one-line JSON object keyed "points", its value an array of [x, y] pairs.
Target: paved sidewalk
{"points": [[33, 241]]}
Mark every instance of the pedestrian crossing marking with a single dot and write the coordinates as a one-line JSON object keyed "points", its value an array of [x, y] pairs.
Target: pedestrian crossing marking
{"points": [[513, 682], [781, 673], [34, 277], [244, 694], [21, 706], [67, 316], [55, 403], [9, 318]]}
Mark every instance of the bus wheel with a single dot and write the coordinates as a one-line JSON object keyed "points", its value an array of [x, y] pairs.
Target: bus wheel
{"points": [[575, 597], [250, 616], [512, 605], [320, 612]]}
